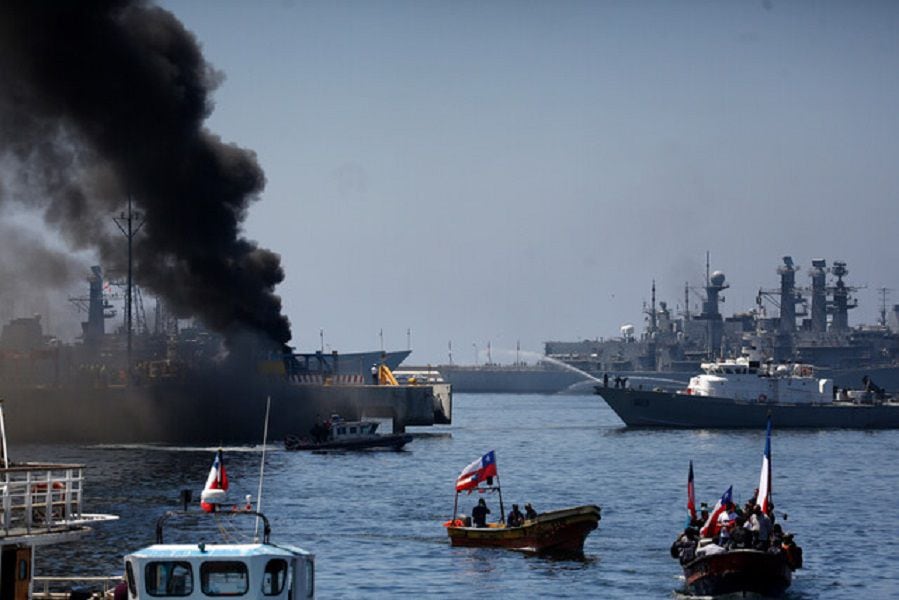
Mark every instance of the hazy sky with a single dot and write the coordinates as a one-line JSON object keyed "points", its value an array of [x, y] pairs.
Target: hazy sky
{"points": [[503, 171]]}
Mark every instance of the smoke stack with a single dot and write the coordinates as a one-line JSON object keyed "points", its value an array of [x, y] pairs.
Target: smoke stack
{"points": [[106, 99]]}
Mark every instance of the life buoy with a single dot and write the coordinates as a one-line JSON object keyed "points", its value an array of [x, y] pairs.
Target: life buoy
{"points": [[42, 487], [763, 398]]}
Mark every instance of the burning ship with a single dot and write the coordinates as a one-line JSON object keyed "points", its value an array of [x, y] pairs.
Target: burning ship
{"points": [[181, 387], [105, 114], [812, 327]]}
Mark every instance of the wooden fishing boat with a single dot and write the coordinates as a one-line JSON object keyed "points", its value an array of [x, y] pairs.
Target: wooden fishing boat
{"points": [[752, 555], [560, 532], [338, 434], [736, 571], [555, 532]]}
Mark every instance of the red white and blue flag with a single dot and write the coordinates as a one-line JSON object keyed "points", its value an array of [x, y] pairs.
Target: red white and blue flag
{"points": [[691, 494], [711, 525], [764, 496], [216, 485], [477, 472]]}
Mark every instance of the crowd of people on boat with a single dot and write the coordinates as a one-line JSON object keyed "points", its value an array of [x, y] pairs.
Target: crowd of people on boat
{"points": [[749, 528], [515, 518]]}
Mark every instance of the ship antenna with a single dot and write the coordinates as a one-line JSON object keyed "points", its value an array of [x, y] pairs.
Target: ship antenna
{"points": [[707, 268], [883, 305], [5, 456], [268, 406], [129, 230]]}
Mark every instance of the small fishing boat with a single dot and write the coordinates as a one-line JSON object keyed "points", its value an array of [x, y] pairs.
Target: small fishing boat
{"points": [[338, 434], [558, 532], [754, 557], [554, 532]]}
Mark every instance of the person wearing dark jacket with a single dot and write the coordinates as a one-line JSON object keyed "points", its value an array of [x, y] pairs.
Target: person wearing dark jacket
{"points": [[479, 513], [516, 518]]}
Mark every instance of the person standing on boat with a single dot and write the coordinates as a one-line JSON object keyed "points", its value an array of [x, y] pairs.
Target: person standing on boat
{"points": [[516, 518], [529, 512], [479, 513], [760, 526], [725, 522]]}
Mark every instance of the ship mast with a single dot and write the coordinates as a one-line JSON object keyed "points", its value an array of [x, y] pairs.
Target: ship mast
{"points": [[126, 224], [884, 292]]}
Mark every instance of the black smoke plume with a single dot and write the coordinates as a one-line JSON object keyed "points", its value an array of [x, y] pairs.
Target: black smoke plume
{"points": [[102, 100]]}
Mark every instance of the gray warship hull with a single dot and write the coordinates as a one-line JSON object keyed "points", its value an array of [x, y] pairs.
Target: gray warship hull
{"points": [[229, 411], [643, 408]]}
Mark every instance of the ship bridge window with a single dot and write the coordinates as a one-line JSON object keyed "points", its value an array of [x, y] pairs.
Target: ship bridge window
{"points": [[341, 431], [169, 578], [352, 430], [224, 578], [275, 576]]}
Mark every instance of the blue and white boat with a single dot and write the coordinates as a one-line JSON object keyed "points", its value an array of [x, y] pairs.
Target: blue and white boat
{"points": [[259, 570]]}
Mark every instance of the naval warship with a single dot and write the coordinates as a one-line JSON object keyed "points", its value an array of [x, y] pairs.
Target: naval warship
{"points": [[743, 392], [810, 326], [179, 385]]}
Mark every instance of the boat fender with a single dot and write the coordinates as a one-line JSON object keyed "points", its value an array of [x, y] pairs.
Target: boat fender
{"points": [[794, 556], [763, 398]]}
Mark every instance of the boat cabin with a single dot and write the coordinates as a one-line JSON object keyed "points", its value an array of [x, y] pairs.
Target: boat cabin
{"points": [[194, 571], [343, 430], [749, 381]]}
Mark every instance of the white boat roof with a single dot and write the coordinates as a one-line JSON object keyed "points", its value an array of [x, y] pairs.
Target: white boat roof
{"points": [[217, 551]]}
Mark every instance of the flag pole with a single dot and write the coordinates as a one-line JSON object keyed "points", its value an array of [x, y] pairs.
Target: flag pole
{"points": [[268, 405], [770, 459], [502, 511]]}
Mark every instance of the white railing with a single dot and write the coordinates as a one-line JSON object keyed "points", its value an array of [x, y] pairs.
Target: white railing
{"points": [[39, 497], [59, 588]]}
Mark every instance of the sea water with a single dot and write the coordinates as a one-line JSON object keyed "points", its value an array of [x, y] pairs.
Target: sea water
{"points": [[374, 519]]}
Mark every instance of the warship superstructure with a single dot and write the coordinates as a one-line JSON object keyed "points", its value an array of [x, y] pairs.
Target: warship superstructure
{"points": [[811, 326]]}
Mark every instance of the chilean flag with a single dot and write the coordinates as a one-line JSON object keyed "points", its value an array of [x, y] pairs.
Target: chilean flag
{"points": [[691, 494], [764, 497], [477, 472], [216, 485], [711, 525]]}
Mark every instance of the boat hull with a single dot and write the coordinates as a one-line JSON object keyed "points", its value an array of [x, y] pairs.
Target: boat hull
{"points": [[555, 532], [642, 408], [738, 571], [201, 411], [394, 441]]}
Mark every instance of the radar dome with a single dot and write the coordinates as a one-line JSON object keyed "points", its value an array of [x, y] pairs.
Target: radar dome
{"points": [[717, 278]]}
